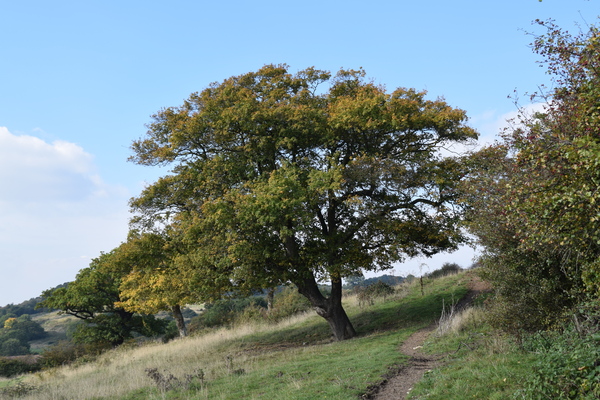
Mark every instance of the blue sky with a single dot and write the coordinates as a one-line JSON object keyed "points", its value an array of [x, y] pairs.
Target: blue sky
{"points": [[80, 79]]}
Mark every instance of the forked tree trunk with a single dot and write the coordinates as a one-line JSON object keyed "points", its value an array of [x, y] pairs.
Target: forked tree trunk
{"points": [[329, 308], [179, 321]]}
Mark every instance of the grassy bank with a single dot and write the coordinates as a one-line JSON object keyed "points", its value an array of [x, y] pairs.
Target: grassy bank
{"points": [[482, 364], [479, 362], [294, 359]]}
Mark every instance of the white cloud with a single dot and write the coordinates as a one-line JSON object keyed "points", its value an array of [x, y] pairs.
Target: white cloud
{"points": [[489, 124], [32, 170], [54, 208]]}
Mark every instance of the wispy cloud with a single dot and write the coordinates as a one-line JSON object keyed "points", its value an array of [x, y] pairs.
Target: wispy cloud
{"points": [[490, 123]]}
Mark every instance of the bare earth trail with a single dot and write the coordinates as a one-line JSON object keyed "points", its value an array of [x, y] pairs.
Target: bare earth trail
{"points": [[399, 385]]}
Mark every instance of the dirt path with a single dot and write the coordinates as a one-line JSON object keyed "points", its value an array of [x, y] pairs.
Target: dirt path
{"points": [[399, 385]]}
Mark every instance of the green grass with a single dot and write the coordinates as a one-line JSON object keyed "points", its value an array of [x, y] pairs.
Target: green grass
{"points": [[334, 371], [295, 359], [479, 363]]}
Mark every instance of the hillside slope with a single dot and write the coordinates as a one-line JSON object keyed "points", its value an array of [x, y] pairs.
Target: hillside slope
{"points": [[294, 359]]}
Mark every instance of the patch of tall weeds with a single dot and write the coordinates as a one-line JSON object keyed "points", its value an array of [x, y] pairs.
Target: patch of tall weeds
{"points": [[18, 389], [568, 365], [366, 295]]}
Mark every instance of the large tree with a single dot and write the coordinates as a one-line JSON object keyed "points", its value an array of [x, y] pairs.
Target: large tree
{"points": [[276, 179]]}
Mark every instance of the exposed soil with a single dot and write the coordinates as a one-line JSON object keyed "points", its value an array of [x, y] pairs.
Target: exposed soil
{"points": [[398, 383]]}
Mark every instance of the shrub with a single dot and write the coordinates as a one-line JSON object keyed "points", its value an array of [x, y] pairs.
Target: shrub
{"points": [[446, 269], [167, 381], [14, 347], [65, 352], [19, 389], [368, 294], [288, 302], [531, 292], [10, 367], [223, 312], [171, 332], [251, 313], [568, 367]]}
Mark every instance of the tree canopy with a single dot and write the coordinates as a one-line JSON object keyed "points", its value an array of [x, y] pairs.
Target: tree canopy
{"points": [[156, 281], [276, 179], [16, 332]]}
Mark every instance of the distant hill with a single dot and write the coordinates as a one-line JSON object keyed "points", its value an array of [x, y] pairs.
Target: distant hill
{"points": [[28, 306]]}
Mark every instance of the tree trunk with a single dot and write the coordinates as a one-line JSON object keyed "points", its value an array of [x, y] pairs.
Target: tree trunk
{"points": [[330, 307], [340, 323], [179, 321], [270, 297]]}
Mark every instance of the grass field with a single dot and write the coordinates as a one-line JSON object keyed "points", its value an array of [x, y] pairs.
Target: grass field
{"points": [[294, 359]]}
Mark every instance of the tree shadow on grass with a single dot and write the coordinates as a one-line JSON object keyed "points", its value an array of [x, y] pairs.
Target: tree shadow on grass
{"points": [[415, 312], [408, 312]]}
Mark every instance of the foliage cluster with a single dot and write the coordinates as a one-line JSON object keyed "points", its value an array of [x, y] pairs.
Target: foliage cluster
{"points": [[226, 312], [368, 294], [567, 366], [66, 352], [94, 298], [16, 332], [12, 367], [288, 302]]}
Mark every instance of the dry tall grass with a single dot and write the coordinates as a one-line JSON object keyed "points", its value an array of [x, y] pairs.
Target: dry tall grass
{"points": [[455, 322], [123, 370]]}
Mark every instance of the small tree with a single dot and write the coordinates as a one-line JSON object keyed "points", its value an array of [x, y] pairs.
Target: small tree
{"points": [[13, 347], [152, 285], [93, 296]]}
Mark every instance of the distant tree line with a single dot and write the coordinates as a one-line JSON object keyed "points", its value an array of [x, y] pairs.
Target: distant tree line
{"points": [[357, 281]]}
